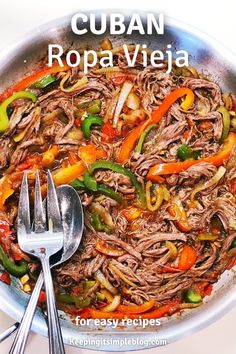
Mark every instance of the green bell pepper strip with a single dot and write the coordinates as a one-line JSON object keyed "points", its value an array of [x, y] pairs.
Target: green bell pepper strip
{"points": [[4, 120], [101, 188], [226, 123], [115, 167], [98, 225], [192, 297], [143, 136], [185, 152], [44, 82], [233, 244], [14, 269], [90, 182], [70, 299], [87, 124]]}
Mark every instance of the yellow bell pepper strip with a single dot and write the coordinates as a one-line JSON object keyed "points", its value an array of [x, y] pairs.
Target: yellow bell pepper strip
{"points": [[133, 136], [31, 79], [69, 174], [176, 167], [4, 120], [5, 190], [158, 195], [226, 122], [115, 167], [176, 210], [108, 251], [146, 306], [49, 156]]}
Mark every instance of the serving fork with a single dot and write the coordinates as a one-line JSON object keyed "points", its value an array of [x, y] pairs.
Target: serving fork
{"points": [[42, 240]]}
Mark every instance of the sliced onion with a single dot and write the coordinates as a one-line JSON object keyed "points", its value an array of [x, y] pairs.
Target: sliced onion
{"points": [[133, 101], [121, 275], [172, 249], [99, 276], [101, 211], [113, 305], [81, 82], [215, 179], [124, 93]]}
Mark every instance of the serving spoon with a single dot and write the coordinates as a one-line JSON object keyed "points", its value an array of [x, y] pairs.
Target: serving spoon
{"points": [[73, 223]]}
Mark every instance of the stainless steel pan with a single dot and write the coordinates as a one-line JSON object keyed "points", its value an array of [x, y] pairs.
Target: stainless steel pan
{"points": [[207, 55]]}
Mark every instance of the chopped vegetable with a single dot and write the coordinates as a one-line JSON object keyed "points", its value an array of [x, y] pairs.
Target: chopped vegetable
{"points": [[157, 115], [42, 297], [146, 306], [24, 279], [5, 190], [109, 133], [184, 152], [27, 288], [106, 44], [5, 278], [172, 250], [79, 83], [215, 179], [177, 167], [115, 167], [233, 244], [102, 247], [124, 93], [101, 188], [191, 296], [187, 258], [206, 236], [31, 79], [143, 136], [176, 209], [89, 153], [49, 156], [94, 107], [14, 269], [226, 123], [131, 213], [44, 82], [90, 182], [77, 300], [158, 196], [107, 295], [88, 122], [113, 305], [98, 225], [100, 296], [105, 282], [103, 213], [133, 101], [4, 120], [68, 174]]}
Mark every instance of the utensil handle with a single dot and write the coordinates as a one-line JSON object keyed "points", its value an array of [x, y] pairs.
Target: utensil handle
{"points": [[56, 345], [10, 330], [18, 345]]}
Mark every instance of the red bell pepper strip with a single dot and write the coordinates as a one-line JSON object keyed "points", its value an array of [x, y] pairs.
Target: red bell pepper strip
{"points": [[29, 80], [109, 133], [176, 209], [157, 115], [146, 306], [187, 258], [176, 167], [18, 254], [108, 251], [42, 297], [5, 278]]}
